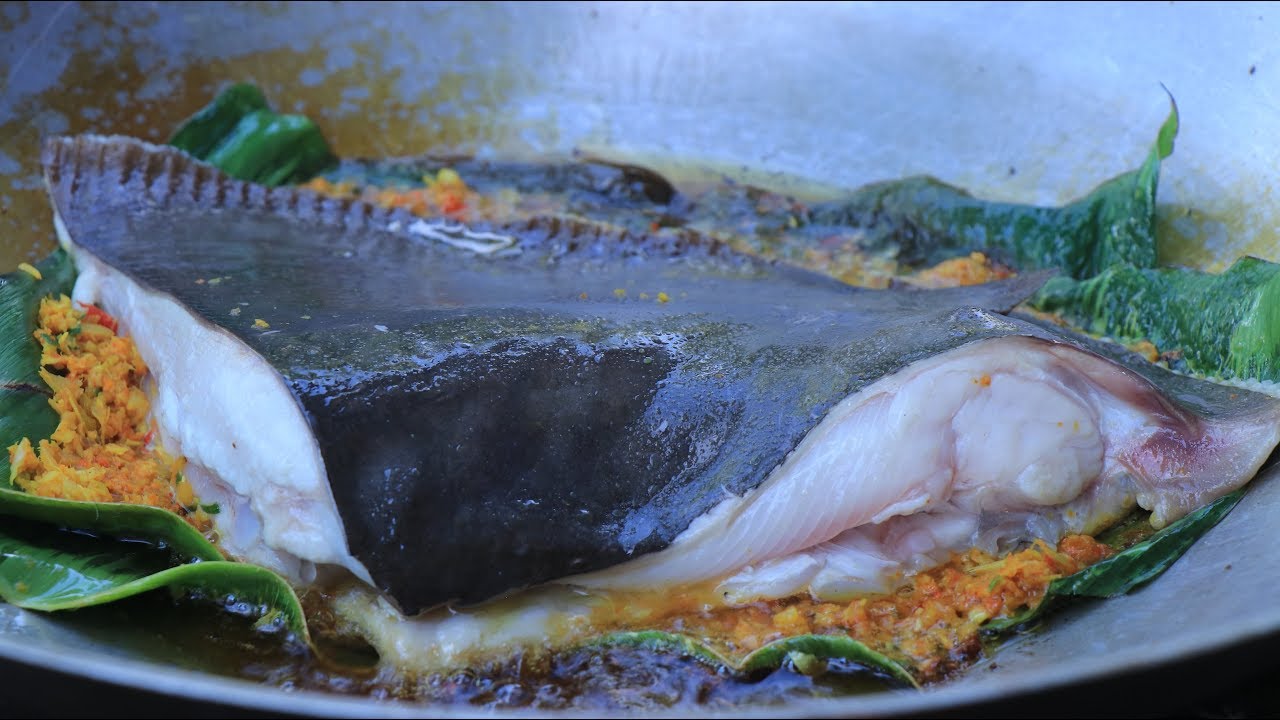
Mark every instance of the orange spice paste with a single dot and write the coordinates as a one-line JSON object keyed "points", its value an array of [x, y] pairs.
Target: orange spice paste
{"points": [[444, 194], [973, 269], [104, 448], [932, 623]]}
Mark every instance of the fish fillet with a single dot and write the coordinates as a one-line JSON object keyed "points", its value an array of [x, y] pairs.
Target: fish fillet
{"points": [[991, 444]]}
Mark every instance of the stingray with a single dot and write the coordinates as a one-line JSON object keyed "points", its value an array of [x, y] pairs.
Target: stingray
{"points": [[455, 412]]}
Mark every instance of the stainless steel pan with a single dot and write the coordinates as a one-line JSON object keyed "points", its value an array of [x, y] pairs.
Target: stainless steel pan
{"points": [[1025, 102]]}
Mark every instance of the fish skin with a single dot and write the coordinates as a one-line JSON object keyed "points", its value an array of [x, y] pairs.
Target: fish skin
{"points": [[490, 423]]}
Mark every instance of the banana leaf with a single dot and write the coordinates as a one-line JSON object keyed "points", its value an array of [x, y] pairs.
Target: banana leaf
{"points": [[1225, 325], [24, 398], [39, 569], [203, 132], [241, 135], [42, 568], [923, 221], [808, 653], [1129, 568], [154, 525]]}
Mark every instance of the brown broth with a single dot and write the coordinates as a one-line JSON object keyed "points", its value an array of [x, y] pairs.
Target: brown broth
{"points": [[204, 637]]}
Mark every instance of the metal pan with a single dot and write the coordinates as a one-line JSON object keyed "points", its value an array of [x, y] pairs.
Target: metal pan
{"points": [[1022, 102]]}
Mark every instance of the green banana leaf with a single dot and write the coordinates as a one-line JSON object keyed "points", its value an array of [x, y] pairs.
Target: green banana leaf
{"points": [[808, 653], [203, 132], [1225, 325], [38, 569], [243, 137], [924, 221], [1129, 568], [24, 398], [42, 568], [155, 525]]}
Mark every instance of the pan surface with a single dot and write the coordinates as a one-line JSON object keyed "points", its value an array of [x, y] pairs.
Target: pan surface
{"points": [[1033, 103]]}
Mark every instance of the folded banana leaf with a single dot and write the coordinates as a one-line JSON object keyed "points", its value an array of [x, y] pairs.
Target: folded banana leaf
{"points": [[150, 524], [242, 136], [928, 221], [44, 568], [203, 132], [1224, 325]]}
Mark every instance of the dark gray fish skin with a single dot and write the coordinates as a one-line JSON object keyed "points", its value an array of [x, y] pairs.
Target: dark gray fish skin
{"points": [[584, 185], [489, 423]]}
